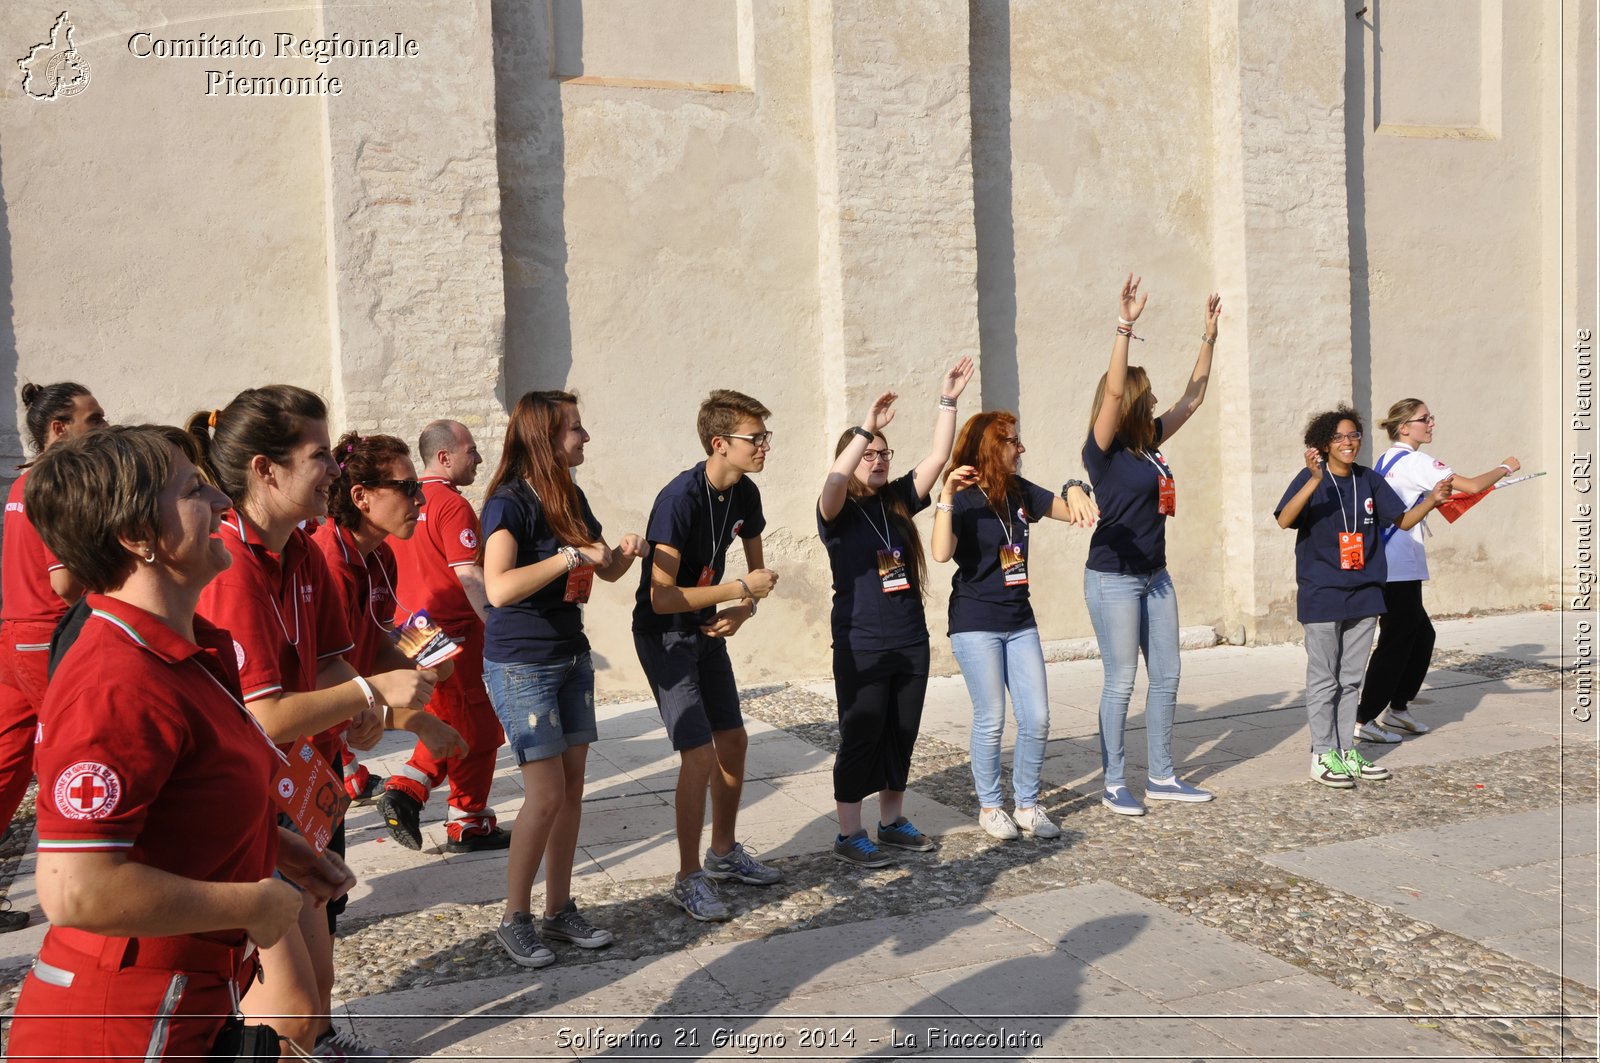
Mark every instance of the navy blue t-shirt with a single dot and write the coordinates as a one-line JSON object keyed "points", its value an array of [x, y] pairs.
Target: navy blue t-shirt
{"points": [[699, 522], [543, 626], [1131, 535], [1362, 502], [866, 618], [979, 597]]}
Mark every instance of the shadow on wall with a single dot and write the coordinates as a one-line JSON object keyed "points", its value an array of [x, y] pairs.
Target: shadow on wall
{"points": [[532, 160], [990, 59], [1356, 130], [10, 440]]}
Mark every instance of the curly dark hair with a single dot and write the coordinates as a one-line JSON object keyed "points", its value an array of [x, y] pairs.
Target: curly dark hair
{"points": [[1321, 427], [362, 460]]}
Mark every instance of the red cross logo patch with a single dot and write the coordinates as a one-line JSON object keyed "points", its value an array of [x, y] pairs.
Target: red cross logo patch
{"points": [[468, 539], [87, 790]]}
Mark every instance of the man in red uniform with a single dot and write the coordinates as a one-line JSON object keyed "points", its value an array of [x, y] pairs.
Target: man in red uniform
{"points": [[441, 574]]}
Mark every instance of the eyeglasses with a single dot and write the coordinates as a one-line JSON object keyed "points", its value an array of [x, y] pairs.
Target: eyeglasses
{"points": [[410, 487], [1430, 419], [758, 440], [1015, 441], [1340, 437], [884, 456]]}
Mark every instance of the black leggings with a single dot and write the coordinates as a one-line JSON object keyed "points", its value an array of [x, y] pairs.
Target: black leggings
{"points": [[1405, 649], [880, 710]]}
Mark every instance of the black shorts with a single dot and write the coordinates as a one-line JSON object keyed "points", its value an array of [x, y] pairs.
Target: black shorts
{"points": [[692, 680]]}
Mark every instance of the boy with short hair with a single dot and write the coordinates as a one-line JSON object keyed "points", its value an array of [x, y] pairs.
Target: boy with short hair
{"points": [[680, 636]]}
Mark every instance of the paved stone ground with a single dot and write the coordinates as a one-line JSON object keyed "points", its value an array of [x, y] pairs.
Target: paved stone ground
{"points": [[1449, 913]]}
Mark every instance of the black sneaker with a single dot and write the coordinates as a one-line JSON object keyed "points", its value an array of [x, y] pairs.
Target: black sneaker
{"points": [[902, 835], [403, 814], [858, 849], [11, 919], [478, 842], [567, 925]]}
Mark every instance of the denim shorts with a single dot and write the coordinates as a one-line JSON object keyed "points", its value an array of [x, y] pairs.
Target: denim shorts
{"points": [[545, 708]]}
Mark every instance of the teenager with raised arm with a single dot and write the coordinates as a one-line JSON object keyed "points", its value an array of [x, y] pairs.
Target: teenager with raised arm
{"points": [[1338, 510], [1400, 661], [681, 638], [1126, 586], [880, 634], [542, 549], [982, 522]]}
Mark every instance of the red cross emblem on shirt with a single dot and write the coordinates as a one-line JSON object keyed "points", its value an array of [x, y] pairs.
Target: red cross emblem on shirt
{"points": [[87, 790]]}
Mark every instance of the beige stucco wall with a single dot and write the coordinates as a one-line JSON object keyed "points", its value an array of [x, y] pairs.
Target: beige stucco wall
{"points": [[813, 200]]}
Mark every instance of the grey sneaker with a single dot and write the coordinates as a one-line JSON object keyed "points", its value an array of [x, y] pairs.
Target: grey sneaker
{"points": [[344, 1044], [521, 941], [858, 849], [741, 867], [697, 896], [567, 925]]}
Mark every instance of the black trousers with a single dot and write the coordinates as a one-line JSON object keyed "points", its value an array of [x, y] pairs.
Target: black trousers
{"points": [[880, 711], [1405, 649]]}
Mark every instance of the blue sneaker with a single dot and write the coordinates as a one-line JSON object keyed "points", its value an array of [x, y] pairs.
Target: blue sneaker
{"points": [[902, 835], [1120, 801], [1175, 789], [858, 849], [697, 896]]}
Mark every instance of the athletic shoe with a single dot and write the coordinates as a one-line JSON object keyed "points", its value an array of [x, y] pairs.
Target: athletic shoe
{"points": [[696, 895], [1175, 789], [858, 849], [363, 785], [478, 841], [521, 941], [1360, 766], [902, 835], [11, 919], [1371, 732], [569, 926], [1121, 801], [1329, 769], [1403, 720], [741, 867], [403, 814], [1036, 822], [344, 1044], [997, 824]]}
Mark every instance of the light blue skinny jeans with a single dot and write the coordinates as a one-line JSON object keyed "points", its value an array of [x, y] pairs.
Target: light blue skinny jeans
{"points": [[993, 662], [1134, 614]]}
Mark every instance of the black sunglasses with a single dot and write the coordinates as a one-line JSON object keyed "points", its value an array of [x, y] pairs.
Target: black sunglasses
{"points": [[410, 487]]}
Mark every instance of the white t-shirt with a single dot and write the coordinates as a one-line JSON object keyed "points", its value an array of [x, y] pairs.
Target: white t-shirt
{"points": [[1412, 474]]}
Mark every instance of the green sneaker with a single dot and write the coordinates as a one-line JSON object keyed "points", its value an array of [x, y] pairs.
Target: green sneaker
{"points": [[1360, 766], [1329, 770]]}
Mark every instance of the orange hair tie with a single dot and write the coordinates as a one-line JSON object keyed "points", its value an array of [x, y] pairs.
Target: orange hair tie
{"points": [[212, 420]]}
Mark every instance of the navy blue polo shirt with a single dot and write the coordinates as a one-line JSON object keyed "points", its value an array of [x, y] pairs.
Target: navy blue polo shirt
{"points": [[1131, 535], [865, 618], [543, 626], [979, 597], [1368, 505], [700, 523]]}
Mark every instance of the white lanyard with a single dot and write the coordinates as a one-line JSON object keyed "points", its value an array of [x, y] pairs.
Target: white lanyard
{"points": [[1162, 470], [1006, 523], [711, 518], [281, 755], [294, 592], [883, 535], [1355, 497]]}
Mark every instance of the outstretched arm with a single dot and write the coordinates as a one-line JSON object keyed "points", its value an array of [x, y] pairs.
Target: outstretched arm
{"points": [[1195, 393], [1440, 492], [836, 488], [1472, 485], [1109, 418], [944, 429]]}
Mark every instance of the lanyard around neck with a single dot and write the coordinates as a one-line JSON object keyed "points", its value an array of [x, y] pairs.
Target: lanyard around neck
{"points": [[1005, 522], [711, 519], [883, 512]]}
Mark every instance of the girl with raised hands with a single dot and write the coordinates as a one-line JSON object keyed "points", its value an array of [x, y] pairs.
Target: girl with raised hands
{"points": [[880, 634], [982, 521], [1130, 596]]}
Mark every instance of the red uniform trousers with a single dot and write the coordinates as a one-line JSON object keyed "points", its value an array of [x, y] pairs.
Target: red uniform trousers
{"points": [[462, 702], [127, 998], [23, 674]]}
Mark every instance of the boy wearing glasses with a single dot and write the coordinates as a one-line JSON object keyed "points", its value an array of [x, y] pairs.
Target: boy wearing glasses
{"points": [[683, 614]]}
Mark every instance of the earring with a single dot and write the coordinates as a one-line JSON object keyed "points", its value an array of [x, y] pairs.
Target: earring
{"points": [[150, 558]]}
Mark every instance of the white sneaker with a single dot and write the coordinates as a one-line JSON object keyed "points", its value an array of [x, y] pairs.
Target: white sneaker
{"points": [[1036, 822], [997, 824], [1404, 721], [1371, 732]]}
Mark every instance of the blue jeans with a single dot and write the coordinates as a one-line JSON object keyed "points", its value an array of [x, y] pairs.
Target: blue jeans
{"points": [[993, 662], [1134, 613]]}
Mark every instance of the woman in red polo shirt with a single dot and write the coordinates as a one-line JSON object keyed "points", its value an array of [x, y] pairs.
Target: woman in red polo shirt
{"points": [[153, 909], [269, 451], [35, 589]]}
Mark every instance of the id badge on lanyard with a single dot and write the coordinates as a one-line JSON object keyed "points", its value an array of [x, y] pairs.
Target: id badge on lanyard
{"points": [[708, 576], [311, 793], [580, 581], [1166, 488], [1013, 566], [892, 571], [1352, 552]]}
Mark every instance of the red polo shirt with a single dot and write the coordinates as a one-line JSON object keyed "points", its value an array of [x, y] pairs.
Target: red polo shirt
{"points": [[147, 749], [366, 587], [25, 567], [446, 539], [285, 613]]}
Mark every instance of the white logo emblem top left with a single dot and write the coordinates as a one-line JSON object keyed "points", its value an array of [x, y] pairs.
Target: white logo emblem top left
{"points": [[55, 69], [87, 790]]}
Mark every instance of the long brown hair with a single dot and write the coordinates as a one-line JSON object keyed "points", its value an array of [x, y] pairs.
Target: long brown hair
{"points": [[529, 456], [895, 509], [981, 444], [269, 420], [1136, 421]]}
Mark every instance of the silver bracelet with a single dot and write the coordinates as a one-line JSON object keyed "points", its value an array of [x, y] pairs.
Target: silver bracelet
{"points": [[1212, 340], [746, 588], [944, 507], [571, 554]]}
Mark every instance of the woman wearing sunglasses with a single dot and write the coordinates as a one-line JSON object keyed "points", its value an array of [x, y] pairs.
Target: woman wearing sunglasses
{"points": [[880, 635], [1405, 634]]}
